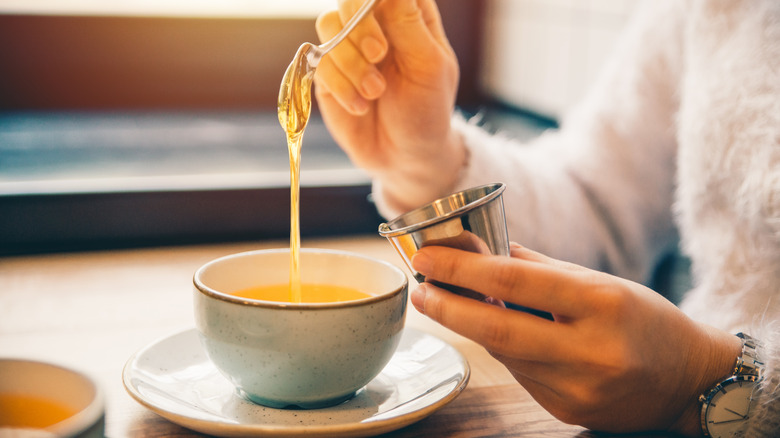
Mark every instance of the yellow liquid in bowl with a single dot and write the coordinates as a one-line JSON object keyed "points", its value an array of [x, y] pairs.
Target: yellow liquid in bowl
{"points": [[310, 293], [24, 411]]}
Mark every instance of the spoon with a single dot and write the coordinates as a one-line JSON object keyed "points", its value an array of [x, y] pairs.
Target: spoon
{"points": [[315, 53], [294, 102]]}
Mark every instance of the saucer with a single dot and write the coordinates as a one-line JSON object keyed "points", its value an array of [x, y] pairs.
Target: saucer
{"points": [[174, 378]]}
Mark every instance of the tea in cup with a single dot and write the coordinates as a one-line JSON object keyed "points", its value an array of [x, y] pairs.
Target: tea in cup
{"points": [[38, 399], [312, 354]]}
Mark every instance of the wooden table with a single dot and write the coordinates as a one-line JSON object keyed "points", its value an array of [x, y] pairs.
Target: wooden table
{"points": [[92, 311]]}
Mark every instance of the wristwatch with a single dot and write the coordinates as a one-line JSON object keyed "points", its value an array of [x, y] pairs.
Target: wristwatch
{"points": [[727, 407]]}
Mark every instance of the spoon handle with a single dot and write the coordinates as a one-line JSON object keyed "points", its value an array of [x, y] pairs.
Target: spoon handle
{"points": [[314, 56]]}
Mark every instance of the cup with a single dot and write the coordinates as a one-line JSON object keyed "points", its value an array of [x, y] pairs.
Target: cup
{"points": [[471, 220], [39, 399], [309, 355]]}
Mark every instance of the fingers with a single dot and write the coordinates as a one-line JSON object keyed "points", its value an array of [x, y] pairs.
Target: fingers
{"points": [[344, 72], [518, 251], [350, 74], [501, 331], [530, 280], [367, 36], [332, 83], [413, 27]]}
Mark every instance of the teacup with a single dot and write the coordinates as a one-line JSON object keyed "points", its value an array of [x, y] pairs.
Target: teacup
{"points": [[39, 399], [309, 355]]}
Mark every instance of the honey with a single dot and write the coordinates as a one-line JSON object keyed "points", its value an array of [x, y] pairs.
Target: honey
{"points": [[294, 108]]}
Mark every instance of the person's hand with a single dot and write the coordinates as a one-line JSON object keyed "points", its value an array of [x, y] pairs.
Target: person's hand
{"points": [[618, 357], [387, 93]]}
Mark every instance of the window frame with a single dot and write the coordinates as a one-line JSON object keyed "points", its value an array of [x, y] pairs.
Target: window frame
{"points": [[141, 63]]}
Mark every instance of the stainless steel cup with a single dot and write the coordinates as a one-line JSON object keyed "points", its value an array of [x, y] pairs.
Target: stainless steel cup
{"points": [[471, 220]]}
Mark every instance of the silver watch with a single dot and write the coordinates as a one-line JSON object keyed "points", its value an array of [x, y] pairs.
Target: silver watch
{"points": [[727, 407]]}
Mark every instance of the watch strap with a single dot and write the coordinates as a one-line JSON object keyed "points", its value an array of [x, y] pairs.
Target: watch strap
{"points": [[748, 363]]}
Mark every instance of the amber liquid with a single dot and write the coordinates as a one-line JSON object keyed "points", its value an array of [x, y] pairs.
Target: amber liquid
{"points": [[23, 411], [310, 293], [294, 107]]}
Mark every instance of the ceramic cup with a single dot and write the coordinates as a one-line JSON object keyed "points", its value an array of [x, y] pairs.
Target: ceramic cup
{"points": [[305, 355], [31, 387]]}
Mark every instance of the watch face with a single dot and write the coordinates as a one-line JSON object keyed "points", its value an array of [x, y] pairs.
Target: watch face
{"points": [[726, 412]]}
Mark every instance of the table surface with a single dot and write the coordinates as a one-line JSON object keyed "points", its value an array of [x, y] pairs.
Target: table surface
{"points": [[92, 311]]}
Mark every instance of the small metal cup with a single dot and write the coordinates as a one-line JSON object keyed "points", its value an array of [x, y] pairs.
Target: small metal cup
{"points": [[471, 220]]}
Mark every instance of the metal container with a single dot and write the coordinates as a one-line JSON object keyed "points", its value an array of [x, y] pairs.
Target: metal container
{"points": [[471, 220]]}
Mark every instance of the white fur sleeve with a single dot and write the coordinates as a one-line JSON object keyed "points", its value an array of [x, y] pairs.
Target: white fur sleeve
{"points": [[599, 191]]}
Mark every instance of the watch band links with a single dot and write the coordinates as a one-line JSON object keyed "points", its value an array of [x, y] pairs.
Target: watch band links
{"points": [[747, 363]]}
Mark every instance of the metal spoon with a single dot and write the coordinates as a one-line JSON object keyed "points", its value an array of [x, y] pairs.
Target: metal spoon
{"points": [[293, 106], [315, 53]]}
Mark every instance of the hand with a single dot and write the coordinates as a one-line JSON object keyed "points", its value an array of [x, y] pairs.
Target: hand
{"points": [[387, 94], [618, 357], [741, 417]]}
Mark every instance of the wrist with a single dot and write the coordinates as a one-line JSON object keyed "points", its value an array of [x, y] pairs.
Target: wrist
{"points": [[404, 188], [711, 364]]}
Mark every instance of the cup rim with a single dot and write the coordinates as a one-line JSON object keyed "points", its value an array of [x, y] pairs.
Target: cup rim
{"points": [[84, 418], [213, 293], [386, 231]]}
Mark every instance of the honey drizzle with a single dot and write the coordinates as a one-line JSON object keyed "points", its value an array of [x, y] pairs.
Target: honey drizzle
{"points": [[294, 108]]}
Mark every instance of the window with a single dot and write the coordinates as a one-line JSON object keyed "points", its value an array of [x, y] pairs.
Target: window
{"points": [[153, 122], [170, 8]]}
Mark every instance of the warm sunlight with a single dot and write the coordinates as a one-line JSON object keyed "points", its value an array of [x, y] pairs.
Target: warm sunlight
{"points": [[174, 8]]}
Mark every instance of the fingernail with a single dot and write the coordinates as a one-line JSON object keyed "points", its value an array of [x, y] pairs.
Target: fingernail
{"points": [[359, 106], [495, 302], [422, 263], [418, 298], [372, 49], [373, 85]]}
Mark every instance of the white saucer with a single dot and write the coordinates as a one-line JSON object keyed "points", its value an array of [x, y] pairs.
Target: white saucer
{"points": [[174, 378]]}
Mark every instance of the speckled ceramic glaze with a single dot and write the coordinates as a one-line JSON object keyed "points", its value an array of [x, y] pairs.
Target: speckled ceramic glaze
{"points": [[306, 355]]}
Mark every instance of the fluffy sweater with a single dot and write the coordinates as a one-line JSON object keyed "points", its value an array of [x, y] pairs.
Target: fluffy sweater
{"points": [[678, 142]]}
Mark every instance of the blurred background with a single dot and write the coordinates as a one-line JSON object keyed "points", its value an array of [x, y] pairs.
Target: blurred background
{"points": [[153, 122]]}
